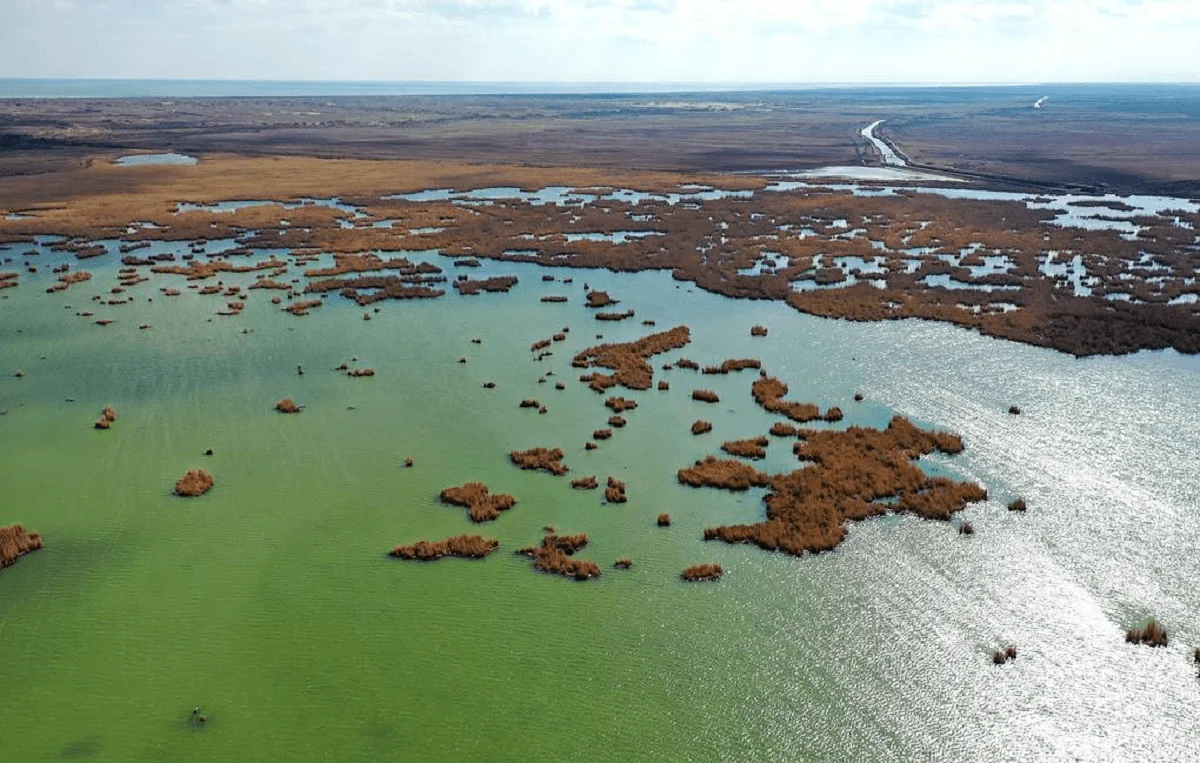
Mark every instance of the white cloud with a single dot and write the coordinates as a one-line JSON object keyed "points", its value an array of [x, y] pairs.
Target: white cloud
{"points": [[651, 40]]}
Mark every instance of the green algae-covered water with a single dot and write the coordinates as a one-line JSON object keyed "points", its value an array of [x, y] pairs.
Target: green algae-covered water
{"points": [[271, 604]]}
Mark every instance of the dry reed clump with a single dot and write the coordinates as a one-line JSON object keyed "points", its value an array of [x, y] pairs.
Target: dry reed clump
{"points": [[462, 546], [664, 386], [854, 474], [481, 505], [620, 404], [602, 434], [758, 331], [555, 555], [66, 281], [469, 287], [623, 564], [833, 415], [589, 445], [1017, 505], [687, 363], [783, 429], [107, 417], [540, 459], [554, 298], [615, 492], [769, 393], [287, 405], [529, 403], [1001, 656], [1152, 635], [702, 572], [701, 427], [301, 308], [726, 475], [612, 317], [15, 542], [600, 299], [732, 365], [359, 373], [705, 396], [664, 520], [628, 360], [585, 483], [195, 483], [616, 421], [755, 447]]}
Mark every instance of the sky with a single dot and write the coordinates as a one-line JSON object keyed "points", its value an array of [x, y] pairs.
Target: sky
{"points": [[717, 41]]}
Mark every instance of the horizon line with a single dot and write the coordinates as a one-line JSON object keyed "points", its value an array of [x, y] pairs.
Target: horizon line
{"points": [[576, 83]]}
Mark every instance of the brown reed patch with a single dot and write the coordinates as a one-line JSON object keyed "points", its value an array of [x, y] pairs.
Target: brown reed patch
{"points": [[758, 331], [287, 405], [769, 393], [540, 459], [481, 505], [755, 447], [732, 365], [664, 520], [599, 299], [15, 542], [628, 360], [700, 427], [854, 474], [195, 483], [585, 483], [615, 491], [555, 555], [702, 572], [705, 396], [461, 546], [470, 287], [1152, 635], [620, 404]]}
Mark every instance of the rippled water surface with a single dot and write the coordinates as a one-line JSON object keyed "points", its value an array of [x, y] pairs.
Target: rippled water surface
{"points": [[270, 603]]}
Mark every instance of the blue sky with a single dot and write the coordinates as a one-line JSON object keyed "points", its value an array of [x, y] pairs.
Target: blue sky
{"points": [[783, 41]]}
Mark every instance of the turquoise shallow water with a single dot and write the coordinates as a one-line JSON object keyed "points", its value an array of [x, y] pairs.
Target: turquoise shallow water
{"points": [[269, 602]]}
